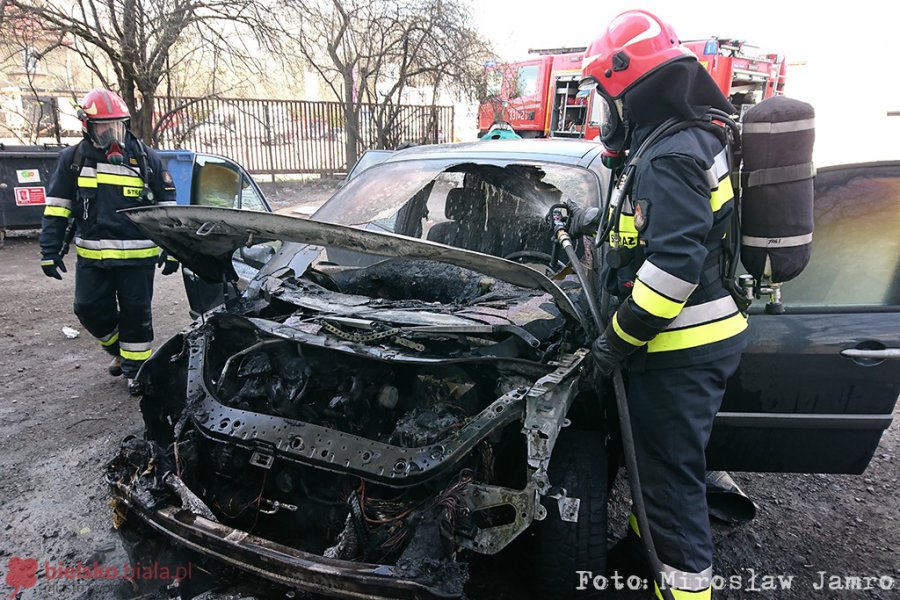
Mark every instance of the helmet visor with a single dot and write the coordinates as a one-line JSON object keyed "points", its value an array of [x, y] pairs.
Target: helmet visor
{"points": [[613, 128], [610, 117], [105, 133]]}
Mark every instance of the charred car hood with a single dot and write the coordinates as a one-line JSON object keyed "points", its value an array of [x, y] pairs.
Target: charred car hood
{"points": [[205, 238]]}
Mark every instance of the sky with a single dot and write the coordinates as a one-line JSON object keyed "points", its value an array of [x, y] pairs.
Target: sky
{"points": [[842, 56]]}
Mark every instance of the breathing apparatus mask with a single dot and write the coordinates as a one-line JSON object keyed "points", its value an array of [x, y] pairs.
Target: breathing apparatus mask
{"points": [[106, 133], [615, 133], [109, 136]]}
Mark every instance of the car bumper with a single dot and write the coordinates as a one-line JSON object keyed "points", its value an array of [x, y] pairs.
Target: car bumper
{"points": [[282, 564]]}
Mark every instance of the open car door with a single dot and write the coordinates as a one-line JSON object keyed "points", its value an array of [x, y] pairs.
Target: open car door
{"points": [[208, 180], [818, 384]]}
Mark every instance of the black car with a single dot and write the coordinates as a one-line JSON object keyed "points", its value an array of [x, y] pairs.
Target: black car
{"points": [[405, 386]]}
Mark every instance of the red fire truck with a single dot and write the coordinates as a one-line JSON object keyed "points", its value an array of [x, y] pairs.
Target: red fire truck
{"points": [[539, 97]]}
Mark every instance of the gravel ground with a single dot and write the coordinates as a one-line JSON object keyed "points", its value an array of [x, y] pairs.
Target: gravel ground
{"points": [[62, 417], [298, 197]]}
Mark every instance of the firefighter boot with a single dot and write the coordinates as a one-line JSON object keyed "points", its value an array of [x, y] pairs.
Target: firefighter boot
{"points": [[115, 367]]}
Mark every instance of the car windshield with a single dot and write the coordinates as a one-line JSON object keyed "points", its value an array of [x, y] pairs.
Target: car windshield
{"points": [[494, 207]]}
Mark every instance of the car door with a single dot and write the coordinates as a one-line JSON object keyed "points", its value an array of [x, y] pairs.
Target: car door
{"points": [[818, 384], [218, 181], [526, 88]]}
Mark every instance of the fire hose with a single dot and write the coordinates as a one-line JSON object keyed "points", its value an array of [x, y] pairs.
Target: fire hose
{"points": [[564, 241]]}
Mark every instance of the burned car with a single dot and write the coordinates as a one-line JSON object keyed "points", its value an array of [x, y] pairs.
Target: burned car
{"points": [[405, 386]]}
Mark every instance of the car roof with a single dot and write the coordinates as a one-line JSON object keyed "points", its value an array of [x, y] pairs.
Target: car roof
{"points": [[571, 152]]}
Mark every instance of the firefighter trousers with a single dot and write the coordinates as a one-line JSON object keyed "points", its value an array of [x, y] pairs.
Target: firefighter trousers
{"points": [[672, 412], [113, 304]]}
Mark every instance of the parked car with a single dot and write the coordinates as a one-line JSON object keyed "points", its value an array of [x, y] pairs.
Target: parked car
{"points": [[402, 390]]}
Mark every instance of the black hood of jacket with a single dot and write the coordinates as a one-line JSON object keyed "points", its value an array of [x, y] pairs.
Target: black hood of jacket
{"points": [[682, 88]]}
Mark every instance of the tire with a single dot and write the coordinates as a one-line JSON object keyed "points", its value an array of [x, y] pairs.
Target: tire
{"points": [[560, 549]]}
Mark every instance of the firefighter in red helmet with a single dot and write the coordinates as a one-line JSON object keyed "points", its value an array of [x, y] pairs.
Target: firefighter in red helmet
{"points": [[109, 170], [676, 328]]}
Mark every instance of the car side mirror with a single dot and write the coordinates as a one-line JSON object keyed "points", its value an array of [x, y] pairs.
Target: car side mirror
{"points": [[257, 255]]}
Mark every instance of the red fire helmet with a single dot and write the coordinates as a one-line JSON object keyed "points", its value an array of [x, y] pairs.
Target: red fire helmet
{"points": [[102, 105], [635, 43]]}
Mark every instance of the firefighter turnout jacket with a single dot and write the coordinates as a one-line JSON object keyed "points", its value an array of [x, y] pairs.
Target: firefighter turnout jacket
{"points": [[89, 189], [673, 230]]}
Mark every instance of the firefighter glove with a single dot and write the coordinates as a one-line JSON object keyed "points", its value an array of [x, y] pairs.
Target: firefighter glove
{"points": [[582, 221], [169, 265], [606, 358], [52, 266]]}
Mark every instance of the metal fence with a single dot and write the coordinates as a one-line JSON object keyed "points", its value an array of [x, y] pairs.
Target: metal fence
{"points": [[265, 136], [289, 136]]}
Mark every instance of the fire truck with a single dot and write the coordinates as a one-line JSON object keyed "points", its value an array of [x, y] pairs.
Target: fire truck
{"points": [[539, 97]]}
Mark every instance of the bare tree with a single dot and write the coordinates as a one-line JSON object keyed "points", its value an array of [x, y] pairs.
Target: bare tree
{"points": [[135, 43], [435, 49], [25, 47], [372, 52]]}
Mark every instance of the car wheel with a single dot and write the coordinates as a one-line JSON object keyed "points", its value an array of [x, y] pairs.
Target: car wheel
{"points": [[578, 464]]}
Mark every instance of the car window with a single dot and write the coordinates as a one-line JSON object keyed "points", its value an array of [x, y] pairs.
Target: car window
{"points": [[856, 246], [250, 198], [216, 184], [496, 209], [526, 81]]}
